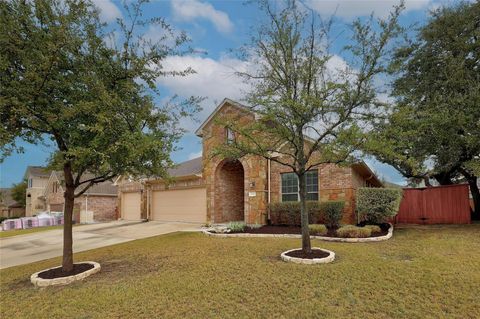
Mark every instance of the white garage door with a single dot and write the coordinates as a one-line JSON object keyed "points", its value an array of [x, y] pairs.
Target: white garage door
{"points": [[131, 206], [181, 205]]}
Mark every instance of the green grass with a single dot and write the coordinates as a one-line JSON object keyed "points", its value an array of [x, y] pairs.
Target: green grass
{"points": [[425, 272], [10, 233]]}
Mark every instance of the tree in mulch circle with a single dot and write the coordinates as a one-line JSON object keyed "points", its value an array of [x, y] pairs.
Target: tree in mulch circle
{"points": [[88, 88], [310, 113]]}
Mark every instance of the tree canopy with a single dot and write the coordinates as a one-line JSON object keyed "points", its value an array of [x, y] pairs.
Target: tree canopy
{"points": [[433, 131], [90, 88], [310, 111]]}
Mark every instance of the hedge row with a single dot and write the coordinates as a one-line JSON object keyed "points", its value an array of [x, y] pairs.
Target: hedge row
{"points": [[288, 213], [377, 205]]}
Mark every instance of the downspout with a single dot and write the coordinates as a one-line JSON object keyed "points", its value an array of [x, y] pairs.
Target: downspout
{"points": [[86, 206], [269, 199]]}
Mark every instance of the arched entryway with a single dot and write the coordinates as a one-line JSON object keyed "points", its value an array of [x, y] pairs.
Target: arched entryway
{"points": [[229, 192]]}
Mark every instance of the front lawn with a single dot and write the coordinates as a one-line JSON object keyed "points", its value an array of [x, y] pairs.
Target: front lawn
{"points": [[15, 232], [426, 272]]}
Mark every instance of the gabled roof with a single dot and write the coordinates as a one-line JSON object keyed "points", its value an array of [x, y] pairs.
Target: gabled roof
{"points": [[225, 101], [38, 171], [187, 168], [364, 170]]}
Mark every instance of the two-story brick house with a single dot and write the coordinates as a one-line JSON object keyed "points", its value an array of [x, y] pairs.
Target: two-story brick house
{"points": [[37, 179], [232, 190], [97, 204]]}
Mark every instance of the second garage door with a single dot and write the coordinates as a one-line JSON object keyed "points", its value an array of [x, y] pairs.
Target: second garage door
{"points": [[131, 206], [181, 205]]}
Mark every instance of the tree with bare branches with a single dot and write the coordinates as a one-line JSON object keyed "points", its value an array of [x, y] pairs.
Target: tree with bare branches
{"points": [[310, 112]]}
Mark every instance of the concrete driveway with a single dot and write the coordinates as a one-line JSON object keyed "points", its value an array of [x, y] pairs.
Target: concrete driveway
{"points": [[24, 249]]}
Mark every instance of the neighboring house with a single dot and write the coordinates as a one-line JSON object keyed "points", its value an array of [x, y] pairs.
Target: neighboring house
{"points": [[219, 190], [98, 203], [37, 178], [8, 206]]}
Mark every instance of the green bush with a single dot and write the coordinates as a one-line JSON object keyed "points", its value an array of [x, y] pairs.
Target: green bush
{"points": [[332, 213], [373, 228], [317, 229], [377, 205], [351, 231], [237, 227], [288, 213]]}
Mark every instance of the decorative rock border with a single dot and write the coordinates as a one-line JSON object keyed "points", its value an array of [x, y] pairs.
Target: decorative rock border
{"points": [[308, 261], [331, 239], [40, 282]]}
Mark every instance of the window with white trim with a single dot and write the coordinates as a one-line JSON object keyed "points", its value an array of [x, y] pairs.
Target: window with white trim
{"points": [[290, 187], [230, 135]]}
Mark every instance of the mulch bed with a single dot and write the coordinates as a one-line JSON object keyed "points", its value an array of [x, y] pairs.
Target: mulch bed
{"points": [[297, 230], [316, 253], [59, 273]]}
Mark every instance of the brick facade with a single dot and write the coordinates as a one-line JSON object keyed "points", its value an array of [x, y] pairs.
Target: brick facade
{"points": [[224, 190], [229, 191], [99, 207]]}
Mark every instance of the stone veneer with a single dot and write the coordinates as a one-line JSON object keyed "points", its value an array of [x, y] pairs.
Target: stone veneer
{"points": [[254, 169], [335, 182]]}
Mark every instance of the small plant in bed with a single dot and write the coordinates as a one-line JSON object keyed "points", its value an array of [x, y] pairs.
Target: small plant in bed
{"points": [[237, 227], [317, 229], [373, 228], [351, 231]]}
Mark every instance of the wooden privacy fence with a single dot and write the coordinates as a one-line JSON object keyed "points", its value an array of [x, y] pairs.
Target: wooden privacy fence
{"points": [[435, 205]]}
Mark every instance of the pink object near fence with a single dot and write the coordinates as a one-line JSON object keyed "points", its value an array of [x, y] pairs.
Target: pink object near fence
{"points": [[29, 222]]}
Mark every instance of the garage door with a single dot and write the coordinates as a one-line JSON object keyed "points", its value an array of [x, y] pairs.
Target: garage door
{"points": [[182, 205], [131, 206]]}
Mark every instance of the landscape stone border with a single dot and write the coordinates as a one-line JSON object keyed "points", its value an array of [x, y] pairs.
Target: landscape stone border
{"points": [[40, 282], [308, 261], [331, 239]]}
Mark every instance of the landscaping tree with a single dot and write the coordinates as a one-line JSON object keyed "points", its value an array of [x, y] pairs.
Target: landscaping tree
{"points": [[19, 192], [310, 112], [64, 78], [433, 131]]}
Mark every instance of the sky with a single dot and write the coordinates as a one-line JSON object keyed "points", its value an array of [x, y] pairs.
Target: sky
{"points": [[217, 29]]}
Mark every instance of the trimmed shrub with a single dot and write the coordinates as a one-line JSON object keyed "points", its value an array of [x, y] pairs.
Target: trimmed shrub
{"points": [[317, 229], [288, 213], [332, 213], [237, 227], [373, 228], [351, 231], [377, 205]]}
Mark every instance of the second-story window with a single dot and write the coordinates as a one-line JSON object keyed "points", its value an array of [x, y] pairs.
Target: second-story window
{"points": [[230, 135]]}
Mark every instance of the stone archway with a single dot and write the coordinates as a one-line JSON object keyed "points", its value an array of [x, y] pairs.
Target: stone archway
{"points": [[229, 192]]}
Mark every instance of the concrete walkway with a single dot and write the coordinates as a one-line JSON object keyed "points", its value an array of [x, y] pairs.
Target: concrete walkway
{"points": [[25, 249]]}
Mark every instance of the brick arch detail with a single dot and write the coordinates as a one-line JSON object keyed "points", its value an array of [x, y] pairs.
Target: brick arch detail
{"points": [[230, 202]]}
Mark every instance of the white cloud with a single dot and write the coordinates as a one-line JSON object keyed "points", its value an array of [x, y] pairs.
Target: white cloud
{"points": [[194, 155], [108, 10], [348, 9], [214, 80], [190, 10]]}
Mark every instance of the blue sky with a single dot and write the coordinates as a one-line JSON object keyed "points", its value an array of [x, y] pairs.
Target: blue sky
{"points": [[218, 28]]}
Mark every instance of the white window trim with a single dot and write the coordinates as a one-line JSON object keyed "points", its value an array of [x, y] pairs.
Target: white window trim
{"points": [[298, 187]]}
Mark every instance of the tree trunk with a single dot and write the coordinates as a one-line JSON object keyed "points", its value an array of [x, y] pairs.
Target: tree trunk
{"points": [[306, 245], [472, 182], [69, 195]]}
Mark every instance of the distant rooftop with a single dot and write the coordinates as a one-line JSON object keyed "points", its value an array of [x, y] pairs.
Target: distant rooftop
{"points": [[190, 167], [37, 171]]}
